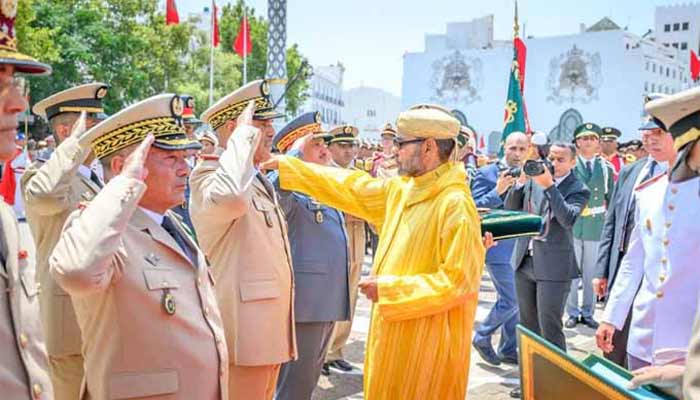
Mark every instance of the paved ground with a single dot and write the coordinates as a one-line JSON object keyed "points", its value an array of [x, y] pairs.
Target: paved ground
{"points": [[485, 381]]}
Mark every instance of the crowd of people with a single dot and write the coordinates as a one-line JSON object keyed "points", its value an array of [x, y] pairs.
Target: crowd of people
{"points": [[217, 258]]}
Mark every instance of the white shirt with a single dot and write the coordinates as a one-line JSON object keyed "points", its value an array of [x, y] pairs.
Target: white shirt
{"points": [[84, 171], [661, 167], [157, 218]]}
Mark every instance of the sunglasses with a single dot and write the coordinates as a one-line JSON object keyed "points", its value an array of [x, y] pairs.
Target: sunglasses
{"points": [[400, 143]]}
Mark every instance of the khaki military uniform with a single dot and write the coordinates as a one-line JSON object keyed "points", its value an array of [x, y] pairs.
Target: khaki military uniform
{"points": [[24, 364], [146, 306], [384, 166], [52, 190], [244, 234]]}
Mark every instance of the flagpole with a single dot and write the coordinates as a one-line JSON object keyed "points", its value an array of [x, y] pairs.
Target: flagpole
{"points": [[211, 55], [245, 45]]}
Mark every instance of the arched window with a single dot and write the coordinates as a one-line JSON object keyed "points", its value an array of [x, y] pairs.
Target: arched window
{"points": [[570, 119]]}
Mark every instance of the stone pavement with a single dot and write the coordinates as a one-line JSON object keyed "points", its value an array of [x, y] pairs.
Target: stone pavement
{"points": [[485, 381]]}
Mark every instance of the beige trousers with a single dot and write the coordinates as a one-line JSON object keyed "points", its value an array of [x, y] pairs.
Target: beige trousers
{"points": [[66, 376], [247, 383]]}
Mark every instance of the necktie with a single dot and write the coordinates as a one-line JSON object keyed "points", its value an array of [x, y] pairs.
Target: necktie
{"points": [[95, 179], [169, 227], [650, 173], [589, 168]]}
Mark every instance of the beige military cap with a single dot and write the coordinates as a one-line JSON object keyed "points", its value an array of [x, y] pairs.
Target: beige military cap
{"points": [[230, 107], [210, 137], [160, 115], [344, 133], [428, 121], [86, 98], [388, 130], [678, 114]]}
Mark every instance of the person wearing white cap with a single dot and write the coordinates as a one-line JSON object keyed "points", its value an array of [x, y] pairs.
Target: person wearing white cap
{"points": [[52, 189], [242, 228], [141, 287], [425, 279], [663, 253]]}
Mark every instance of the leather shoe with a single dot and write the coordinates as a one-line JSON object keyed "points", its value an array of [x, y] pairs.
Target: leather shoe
{"points": [[325, 370], [515, 393], [589, 322], [486, 352], [509, 359], [341, 365], [571, 322]]}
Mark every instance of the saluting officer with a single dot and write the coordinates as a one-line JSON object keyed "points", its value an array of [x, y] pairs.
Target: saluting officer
{"points": [[320, 257], [243, 231], [52, 190], [142, 290]]}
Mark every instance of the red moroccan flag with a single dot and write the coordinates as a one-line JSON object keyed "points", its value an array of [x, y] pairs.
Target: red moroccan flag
{"points": [[521, 52], [215, 40], [171, 16], [243, 44], [694, 66]]}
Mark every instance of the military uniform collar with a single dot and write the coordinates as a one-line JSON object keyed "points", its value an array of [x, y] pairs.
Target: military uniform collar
{"points": [[156, 217]]}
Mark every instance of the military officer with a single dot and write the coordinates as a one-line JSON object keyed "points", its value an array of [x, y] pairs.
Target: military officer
{"points": [[320, 257], [384, 162], [141, 287], [24, 365], [209, 142], [662, 257], [243, 232], [598, 175], [609, 148], [52, 190], [191, 123], [343, 154], [188, 117]]}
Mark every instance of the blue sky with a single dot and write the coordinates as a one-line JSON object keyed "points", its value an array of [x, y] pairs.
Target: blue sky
{"points": [[370, 36]]}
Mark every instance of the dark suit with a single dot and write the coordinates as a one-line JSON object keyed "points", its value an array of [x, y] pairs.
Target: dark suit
{"points": [[614, 239], [543, 279]]}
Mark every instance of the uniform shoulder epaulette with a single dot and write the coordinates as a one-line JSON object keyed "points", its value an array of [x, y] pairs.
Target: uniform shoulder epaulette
{"points": [[649, 182], [209, 157]]}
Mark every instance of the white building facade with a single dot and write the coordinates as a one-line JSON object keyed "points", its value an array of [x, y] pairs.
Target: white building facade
{"points": [[325, 94], [369, 109], [678, 27], [599, 75]]}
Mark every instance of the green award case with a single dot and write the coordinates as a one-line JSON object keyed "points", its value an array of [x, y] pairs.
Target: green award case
{"points": [[546, 372], [507, 224]]}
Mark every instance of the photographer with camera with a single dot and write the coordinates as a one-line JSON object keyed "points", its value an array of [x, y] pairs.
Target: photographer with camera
{"points": [[545, 265], [598, 174], [489, 187]]}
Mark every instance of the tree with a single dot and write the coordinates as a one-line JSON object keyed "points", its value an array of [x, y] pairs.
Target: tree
{"points": [[126, 44]]}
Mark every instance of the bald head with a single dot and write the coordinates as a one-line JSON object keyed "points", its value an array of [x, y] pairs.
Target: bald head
{"points": [[516, 148]]}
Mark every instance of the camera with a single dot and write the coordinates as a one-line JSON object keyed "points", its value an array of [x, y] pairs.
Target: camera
{"points": [[536, 167], [512, 171]]}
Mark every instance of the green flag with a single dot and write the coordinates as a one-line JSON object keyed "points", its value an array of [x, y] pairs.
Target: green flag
{"points": [[514, 120]]}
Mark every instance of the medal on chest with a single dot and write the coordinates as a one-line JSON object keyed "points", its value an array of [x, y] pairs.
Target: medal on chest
{"points": [[317, 213], [168, 302]]}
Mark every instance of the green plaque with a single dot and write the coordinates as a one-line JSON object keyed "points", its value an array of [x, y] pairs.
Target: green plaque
{"points": [[507, 224]]}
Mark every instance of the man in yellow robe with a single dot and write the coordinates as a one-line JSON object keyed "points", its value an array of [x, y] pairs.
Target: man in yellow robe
{"points": [[426, 274]]}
